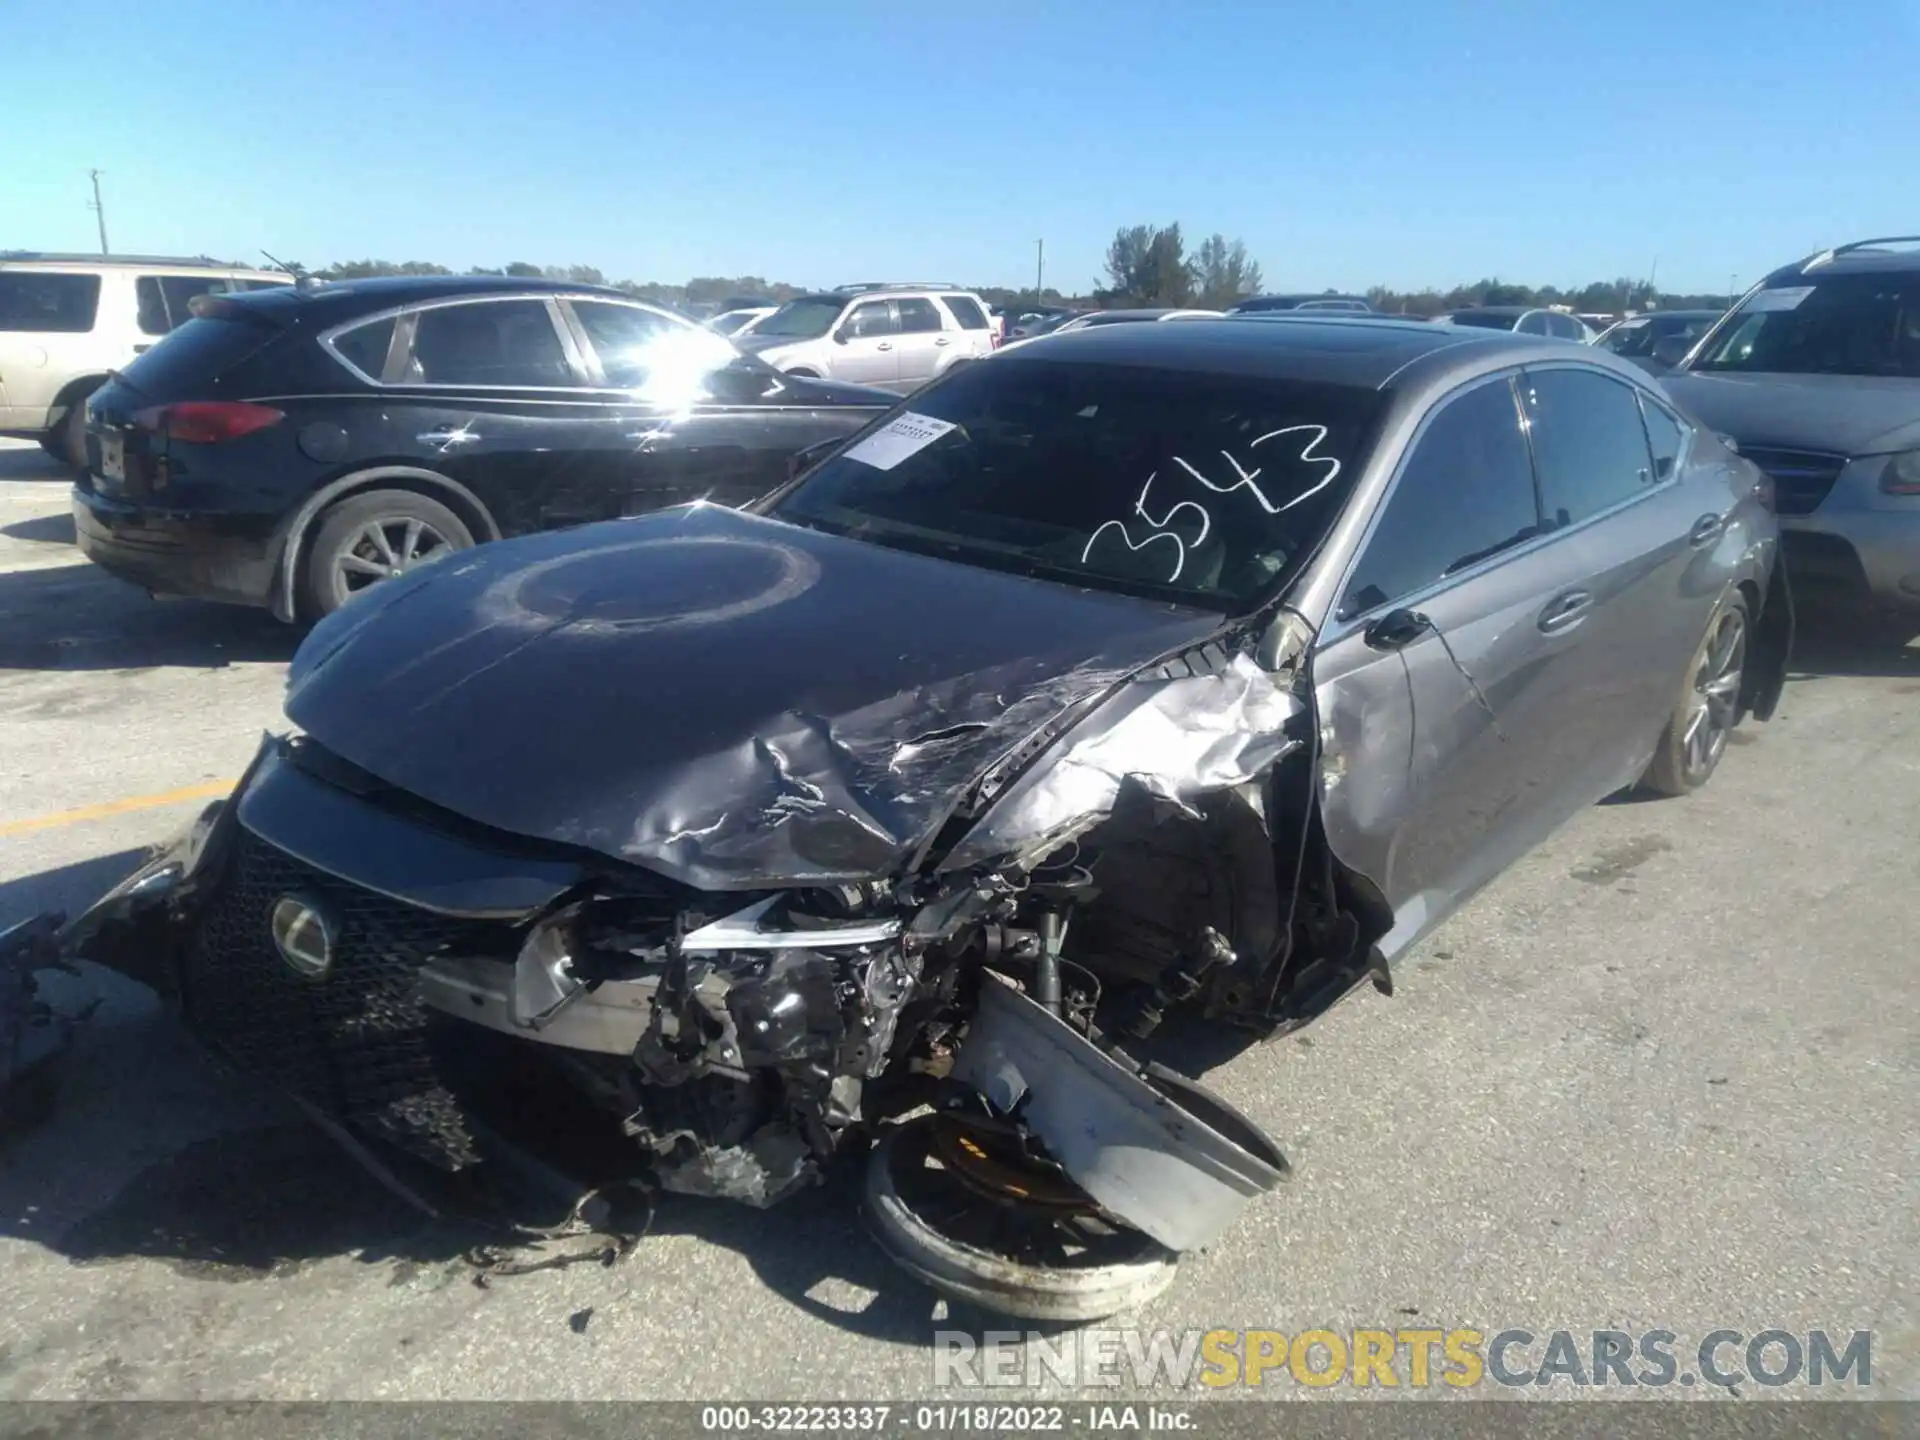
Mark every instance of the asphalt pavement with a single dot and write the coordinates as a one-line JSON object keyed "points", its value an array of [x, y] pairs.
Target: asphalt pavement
{"points": [[1663, 1074]]}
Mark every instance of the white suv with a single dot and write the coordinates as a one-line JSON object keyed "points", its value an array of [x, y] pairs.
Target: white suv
{"points": [[895, 337], [66, 320]]}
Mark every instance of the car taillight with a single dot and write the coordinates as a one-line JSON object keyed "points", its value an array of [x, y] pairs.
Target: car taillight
{"points": [[208, 422]]}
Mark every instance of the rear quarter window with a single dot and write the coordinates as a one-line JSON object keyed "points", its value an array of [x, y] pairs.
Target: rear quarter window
{"points": [[965, 311], [48, 304]]}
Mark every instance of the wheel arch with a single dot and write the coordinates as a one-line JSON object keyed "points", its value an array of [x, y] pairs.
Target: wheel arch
{"points": [[70, 393], [463, 502]]}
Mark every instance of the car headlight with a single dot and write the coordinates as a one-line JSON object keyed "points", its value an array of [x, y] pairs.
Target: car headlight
{"points": [[1902, 474]]}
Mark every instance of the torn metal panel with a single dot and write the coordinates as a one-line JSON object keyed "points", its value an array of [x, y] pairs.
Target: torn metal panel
{"points": [[1177, 738], [1168, 1158], [829, 744]]}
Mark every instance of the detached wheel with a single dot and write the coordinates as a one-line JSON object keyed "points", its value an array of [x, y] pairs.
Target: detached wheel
{"points": [[376, 536], [67, 441], [1695, 739], [977, 1227]]}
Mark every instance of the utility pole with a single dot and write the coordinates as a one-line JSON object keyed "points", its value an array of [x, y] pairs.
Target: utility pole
{"points": [[1039, 269], [99, 210]]}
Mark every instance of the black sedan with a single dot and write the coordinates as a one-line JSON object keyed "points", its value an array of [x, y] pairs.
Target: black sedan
{"points": [[288, 448]]}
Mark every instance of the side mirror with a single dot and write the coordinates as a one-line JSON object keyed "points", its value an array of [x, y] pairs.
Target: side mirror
{"points": [[1397, 629], [1670, 350], [843, 334], [1731, 443]]}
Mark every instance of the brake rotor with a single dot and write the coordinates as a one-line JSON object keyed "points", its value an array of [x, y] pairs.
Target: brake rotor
{"points": [[996, 1164]]}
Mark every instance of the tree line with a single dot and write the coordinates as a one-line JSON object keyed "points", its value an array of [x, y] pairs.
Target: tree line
{"points": [[1146, 265]]}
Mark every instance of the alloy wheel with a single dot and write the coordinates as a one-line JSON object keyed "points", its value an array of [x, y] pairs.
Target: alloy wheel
{"points": [[384, 549], [1716, 694]]}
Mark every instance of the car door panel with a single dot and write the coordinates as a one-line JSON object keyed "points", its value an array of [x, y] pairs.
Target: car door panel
{"points": [[490, 393], [1445, 754], [1651, 588], [865, 348], [921, 344]]}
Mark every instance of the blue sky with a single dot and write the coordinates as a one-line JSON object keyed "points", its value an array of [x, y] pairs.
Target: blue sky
{"points": [[1408, 142]]}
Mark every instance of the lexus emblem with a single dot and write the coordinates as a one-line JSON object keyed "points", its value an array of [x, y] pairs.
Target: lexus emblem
{"points": [[303, 935]]}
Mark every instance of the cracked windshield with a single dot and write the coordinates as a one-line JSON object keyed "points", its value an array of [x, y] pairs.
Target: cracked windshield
{"points": [[763, 712]]}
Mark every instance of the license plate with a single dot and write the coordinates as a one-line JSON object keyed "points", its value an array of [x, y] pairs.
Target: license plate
{"points": [[113, 457]]}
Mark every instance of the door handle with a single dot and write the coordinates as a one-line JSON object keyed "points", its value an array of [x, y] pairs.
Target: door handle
{"points": [[1706, 530], [1565, 610], [884, 345], [446, 435], [941, 341]]}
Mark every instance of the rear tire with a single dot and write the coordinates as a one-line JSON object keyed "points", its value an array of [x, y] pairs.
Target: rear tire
{"points": [[364, 535], [1695, 740]]}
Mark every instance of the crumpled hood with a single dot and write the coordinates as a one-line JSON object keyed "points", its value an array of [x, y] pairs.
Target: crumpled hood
{"points": [[726, 699], [1841, 414]]}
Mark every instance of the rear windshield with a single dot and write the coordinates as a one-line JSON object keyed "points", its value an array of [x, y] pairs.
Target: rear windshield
{"points": [[200, 350], [1842, 325], [48, 304], [1204, 489]]}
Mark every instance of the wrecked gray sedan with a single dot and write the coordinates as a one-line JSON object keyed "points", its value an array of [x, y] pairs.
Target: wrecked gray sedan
{"points": [[1157, 671]]}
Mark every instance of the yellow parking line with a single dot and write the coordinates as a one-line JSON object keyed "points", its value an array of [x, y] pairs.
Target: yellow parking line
{"points": [[211, 790]]}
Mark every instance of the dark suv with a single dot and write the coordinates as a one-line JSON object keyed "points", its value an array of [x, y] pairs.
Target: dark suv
{"points": [[1816, 376], [290, 447]]}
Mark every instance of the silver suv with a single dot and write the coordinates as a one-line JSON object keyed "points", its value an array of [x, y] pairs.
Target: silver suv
{"points": [[1815, 374], [896, 337], [67, 320]]}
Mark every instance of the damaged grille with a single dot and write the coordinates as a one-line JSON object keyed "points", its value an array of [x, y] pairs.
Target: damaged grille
{"points": [[356, 1044]]}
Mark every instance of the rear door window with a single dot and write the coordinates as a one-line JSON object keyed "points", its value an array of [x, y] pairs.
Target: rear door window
{"points": [[1465, 493], [917, 316], [36, 302], [491, 342], [1588, 442], [966, 313], [164, 301]]}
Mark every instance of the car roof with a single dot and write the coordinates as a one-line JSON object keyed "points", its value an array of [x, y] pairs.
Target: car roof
{"points": [[1363, 353], [1870, 257], [84, 264], [341, 299], [1495, 309]]}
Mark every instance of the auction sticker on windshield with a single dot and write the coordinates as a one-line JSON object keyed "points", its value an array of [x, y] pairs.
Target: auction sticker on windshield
{"points": [[900, 437]]}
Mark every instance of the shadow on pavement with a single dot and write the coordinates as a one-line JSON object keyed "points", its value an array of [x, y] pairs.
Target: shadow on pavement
{"points": [[77, 617], [30, 462], [1832, 638], [43, 530]]}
